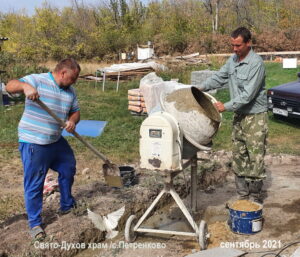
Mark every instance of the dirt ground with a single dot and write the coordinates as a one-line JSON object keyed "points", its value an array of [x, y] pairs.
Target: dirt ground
{"points": [[75, 235]]}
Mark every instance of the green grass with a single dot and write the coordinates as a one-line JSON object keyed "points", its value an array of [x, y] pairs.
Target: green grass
{"points": [[276, 75], [120, 139], [183, 74]]}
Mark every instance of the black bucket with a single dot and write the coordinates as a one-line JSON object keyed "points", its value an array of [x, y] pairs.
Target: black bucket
{"points": [[5, 100], [128, 175]]}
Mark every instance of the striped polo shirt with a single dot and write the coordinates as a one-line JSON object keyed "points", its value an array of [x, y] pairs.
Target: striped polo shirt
{"points": [[36, 125]]}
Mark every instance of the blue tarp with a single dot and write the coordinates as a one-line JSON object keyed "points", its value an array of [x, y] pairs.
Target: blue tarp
{"points": [[90, 128]]}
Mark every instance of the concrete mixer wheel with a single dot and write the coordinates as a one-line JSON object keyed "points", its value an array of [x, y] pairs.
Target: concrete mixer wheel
{"points": [[130, 234], [203, 235]]}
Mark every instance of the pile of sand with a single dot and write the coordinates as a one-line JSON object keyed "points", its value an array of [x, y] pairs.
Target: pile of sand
{"points": [[245, 205]]}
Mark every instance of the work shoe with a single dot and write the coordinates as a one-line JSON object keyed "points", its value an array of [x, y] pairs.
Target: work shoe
{"points": [[242, 188], [255, 189], [37, 233], [61, 212], [78, 209]]}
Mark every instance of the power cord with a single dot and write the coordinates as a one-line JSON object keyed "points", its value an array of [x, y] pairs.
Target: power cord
{"points": [[285, 247], [269, 254]]}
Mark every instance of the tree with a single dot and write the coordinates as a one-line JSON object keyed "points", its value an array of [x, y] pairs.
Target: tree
{"points": [[213, 8]]}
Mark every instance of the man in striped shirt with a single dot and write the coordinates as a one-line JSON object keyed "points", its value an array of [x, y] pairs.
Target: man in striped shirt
{"points": [[40, 142]]}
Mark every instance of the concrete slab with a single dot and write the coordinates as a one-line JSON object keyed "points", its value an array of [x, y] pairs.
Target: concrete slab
{"points": [[296, 253]]}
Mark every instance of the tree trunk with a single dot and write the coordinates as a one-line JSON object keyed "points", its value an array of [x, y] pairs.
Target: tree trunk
{"points": [[217, 16]]}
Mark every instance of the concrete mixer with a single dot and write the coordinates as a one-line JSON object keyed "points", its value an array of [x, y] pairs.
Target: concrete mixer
{"points": [[187, 124], [169, 142]]}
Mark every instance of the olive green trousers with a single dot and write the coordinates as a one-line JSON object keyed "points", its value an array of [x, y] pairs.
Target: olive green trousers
{"points": [[249, 136]]}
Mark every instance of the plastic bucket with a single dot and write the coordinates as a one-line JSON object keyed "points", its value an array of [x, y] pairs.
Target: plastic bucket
{"points": [[128, 175], [245, 222], [5, 99]]}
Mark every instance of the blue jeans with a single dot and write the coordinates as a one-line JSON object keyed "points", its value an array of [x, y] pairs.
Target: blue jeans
{"points": [[37, 159]]}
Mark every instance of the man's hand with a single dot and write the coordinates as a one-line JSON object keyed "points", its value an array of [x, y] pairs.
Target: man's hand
{"points": [[15, 86], [73, 119], [70, 126], [30, 92], [220, 106]]}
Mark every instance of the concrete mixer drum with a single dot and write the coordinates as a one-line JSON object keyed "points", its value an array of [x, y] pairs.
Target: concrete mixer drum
{"points": [[197, 117]]}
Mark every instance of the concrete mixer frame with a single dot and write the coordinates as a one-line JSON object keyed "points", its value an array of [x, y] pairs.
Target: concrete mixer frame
{"points": [[133, 227]]}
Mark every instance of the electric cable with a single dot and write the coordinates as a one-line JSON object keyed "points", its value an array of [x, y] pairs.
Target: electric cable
{"points": [[266, 251], [271, 252], [285, 247]]}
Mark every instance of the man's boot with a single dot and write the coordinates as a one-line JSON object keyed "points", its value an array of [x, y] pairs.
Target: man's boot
{"points": [[255, 188], [242, 188]]}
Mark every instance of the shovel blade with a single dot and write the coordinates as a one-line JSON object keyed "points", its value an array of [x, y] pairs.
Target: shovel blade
{"points": [[112, 175]]}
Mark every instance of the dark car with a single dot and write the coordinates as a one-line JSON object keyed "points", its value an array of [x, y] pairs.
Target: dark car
{"points": [[284, 100]]}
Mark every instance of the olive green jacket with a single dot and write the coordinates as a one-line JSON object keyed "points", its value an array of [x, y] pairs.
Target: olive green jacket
{"points": [[246, 82]]}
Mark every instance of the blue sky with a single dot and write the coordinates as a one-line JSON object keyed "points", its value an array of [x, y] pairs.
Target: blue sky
{"points": [[29, 5]]}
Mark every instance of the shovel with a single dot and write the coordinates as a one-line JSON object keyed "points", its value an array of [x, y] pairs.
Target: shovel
{"points": [[111, 171]]}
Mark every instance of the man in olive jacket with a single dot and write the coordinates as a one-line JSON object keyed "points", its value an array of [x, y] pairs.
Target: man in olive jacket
{"points": [[244, 73]]}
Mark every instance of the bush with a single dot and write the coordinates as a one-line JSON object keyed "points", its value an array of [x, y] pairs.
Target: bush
{"points": [[15, 67]]}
